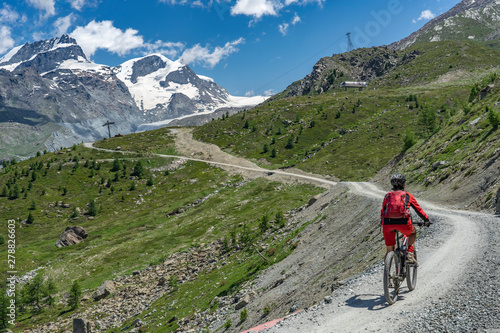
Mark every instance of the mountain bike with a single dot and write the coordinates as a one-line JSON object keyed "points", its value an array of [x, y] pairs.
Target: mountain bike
{"points": [[396, 269]]}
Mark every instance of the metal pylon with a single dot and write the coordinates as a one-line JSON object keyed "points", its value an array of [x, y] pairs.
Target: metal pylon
{"points": [[350, 46]]}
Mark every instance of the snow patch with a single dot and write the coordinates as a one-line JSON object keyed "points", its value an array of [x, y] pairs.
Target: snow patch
{"points": [[206, 78], [10, 54]]}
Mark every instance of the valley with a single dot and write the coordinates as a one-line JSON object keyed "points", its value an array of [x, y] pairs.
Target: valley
{"points": [[204, 212]]}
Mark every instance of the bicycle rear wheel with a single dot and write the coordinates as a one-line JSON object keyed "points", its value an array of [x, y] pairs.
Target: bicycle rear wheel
{"points": [[411, 274], [391, 278]]}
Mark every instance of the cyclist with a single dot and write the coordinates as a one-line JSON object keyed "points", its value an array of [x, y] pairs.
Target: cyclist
{"points": [[392, 221]]}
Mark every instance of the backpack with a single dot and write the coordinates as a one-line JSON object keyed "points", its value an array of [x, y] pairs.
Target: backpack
{"points": [[397, 205]]}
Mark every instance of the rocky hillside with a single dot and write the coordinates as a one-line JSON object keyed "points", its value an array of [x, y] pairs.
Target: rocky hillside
{"points": [[459, 164], [384, 67], [477, 20]]}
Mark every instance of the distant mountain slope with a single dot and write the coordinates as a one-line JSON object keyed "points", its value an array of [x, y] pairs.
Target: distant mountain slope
{"points": [[69, 97], [477, 20], [166, 89]]}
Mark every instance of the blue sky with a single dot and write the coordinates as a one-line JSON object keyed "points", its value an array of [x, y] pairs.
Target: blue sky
{"points": [[247, 46]]}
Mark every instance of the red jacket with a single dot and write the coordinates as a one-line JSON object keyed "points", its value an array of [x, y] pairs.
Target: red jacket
{"points": [[413, 203]]}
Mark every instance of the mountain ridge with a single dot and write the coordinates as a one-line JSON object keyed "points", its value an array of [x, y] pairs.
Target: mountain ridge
{"points": [[76, 96], [463, 16]]}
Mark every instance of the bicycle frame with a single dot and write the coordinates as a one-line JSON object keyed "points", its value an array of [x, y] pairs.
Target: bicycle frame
{"points": [[396, 270]]}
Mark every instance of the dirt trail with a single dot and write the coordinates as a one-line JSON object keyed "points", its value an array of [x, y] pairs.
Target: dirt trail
{"points": [[359, 305]]}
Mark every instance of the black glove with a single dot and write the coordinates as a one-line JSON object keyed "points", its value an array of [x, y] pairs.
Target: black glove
{"points": [[427, 223]]}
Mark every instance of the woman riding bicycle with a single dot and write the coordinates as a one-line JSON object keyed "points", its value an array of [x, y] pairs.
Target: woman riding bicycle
{"points": [[395, 215]]}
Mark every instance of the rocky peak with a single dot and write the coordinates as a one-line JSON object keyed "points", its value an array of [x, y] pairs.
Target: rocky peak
{"points": [[146, 65], [468, 20], [63, 44]]}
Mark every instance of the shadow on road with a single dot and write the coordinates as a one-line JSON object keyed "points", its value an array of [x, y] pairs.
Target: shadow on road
{"points": [[369, 301]]}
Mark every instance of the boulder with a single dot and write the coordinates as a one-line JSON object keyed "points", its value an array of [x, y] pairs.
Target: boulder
{"points": [[81, 326], [438, 164], [313, 199], [104, 290], [246, 299], [72, 235]]}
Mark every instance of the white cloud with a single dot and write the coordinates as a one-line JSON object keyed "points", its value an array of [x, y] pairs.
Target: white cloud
{"points": [[6, 41], [269, 92], [250, 93], [103, 35], [77, 4], [47, 6], [426, 15], [7, 14], [284, 28], [62, 24], [256, 8], [169, 49], [207, 58]]}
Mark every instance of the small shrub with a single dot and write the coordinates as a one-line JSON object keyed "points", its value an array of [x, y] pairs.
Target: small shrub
{"points": [[266, 310], [92, 208], [493, 118], [75, 295], [139, 170], [264, 223], [32, 205], [228, 324], [409, 140], [243, 315]]}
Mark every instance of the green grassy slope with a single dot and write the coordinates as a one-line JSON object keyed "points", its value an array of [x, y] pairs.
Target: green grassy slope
{"points": [[184, 207], [352, 134], [459, 162]]}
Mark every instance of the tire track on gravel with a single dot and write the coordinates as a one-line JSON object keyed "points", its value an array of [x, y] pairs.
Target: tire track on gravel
{"points": [[360, 305]]}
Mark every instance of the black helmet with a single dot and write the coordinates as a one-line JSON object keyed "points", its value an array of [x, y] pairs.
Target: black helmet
{"points": [[398, 181]]}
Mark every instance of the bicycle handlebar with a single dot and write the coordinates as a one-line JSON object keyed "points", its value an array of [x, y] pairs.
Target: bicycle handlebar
{"points": [[427, 224]]}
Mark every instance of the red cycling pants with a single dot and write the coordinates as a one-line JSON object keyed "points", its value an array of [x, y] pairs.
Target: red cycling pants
{"points": [[390, 233]]}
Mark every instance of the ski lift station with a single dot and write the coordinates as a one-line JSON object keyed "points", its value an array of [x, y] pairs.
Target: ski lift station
{"points": [[354, 84]]}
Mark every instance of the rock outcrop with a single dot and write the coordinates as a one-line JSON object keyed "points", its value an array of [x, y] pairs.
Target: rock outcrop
{"points": [[71, 236]]}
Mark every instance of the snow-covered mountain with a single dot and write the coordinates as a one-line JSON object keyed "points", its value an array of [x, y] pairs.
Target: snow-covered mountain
{"points": [[166, 89], [51, 95]]}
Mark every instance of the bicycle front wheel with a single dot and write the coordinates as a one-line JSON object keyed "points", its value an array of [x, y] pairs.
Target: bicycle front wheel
{"points": [[391, 277], [411, 274]]}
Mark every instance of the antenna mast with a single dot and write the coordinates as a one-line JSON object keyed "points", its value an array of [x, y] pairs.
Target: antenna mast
{"points": [[350, 46]]}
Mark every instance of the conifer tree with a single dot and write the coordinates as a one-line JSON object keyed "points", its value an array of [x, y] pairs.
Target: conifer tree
{"points": [[92, 208], [75, 294]]}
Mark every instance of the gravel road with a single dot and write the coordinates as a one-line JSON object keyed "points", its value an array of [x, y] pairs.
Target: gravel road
{"points": [[457, 289]]}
